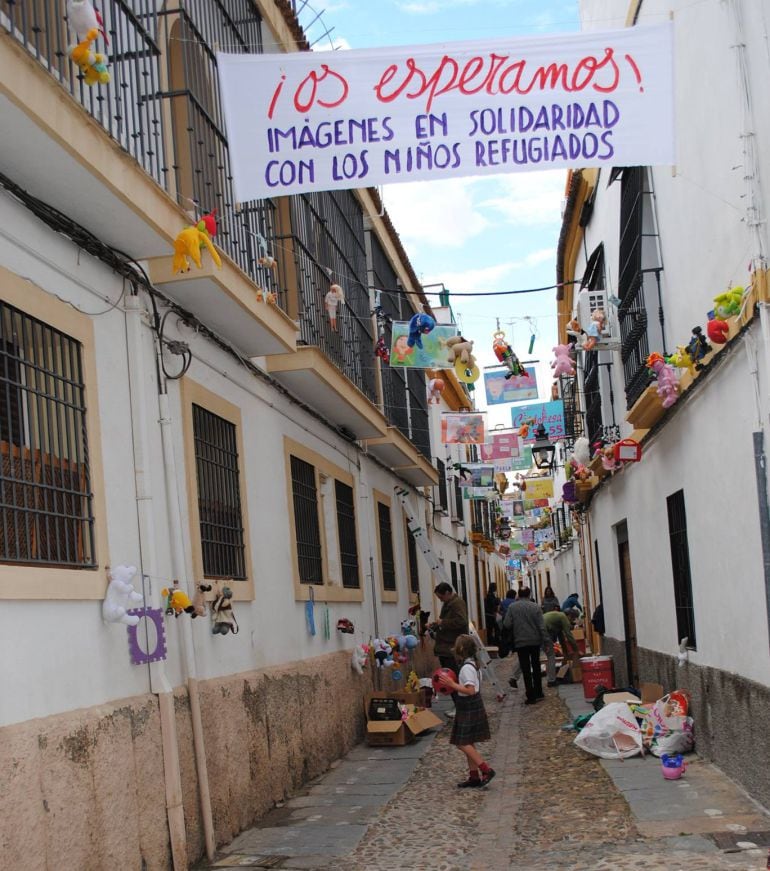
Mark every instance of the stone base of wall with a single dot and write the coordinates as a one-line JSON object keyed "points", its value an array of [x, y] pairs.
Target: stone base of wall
{"points": [[617, 650], [731, 715], [85, 790]]}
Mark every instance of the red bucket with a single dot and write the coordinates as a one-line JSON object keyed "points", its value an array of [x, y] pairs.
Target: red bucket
{"points": [[597, 671]]}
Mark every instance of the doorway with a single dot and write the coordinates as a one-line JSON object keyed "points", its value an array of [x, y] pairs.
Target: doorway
{"points": [[627, 594]]}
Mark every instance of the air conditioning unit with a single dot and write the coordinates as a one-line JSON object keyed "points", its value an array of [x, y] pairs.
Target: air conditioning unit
{"points": [[590, 301]]}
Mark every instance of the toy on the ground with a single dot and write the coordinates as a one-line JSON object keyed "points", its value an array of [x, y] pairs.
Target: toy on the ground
{"points": [[222, 617], [121, 596], [595, 329], [189, 243], [668, 385], [345, 626], [717, 330], [93, 64], [177, 601], [698, 347], [505, 355], [673, 767], [412, 682], [562, 363], [382, 351], [437, 676], [729, 303], [435, 389], [419, 325], [83, 17], [359, 658], [199, 600]]}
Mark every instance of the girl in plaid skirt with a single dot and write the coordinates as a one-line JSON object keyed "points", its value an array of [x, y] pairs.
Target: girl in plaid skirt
{"points": [[470, 723]]}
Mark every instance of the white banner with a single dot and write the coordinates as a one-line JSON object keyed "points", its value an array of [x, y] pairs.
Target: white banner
{"points": [[326, 120]]}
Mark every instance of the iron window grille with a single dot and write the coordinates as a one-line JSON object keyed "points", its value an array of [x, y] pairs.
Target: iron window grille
{"points": [[386, 547], [219, 496], [458, 491], [346, 527], [46, 502], [419, 429], [443, 494], [307, 525], [414, 574], [453, 572], [680, 564], [463, 583]]}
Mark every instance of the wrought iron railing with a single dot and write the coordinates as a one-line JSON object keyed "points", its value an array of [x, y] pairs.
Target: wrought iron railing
{"points": [[573, 414], [634, 350], [593, 398], [419, 420]]}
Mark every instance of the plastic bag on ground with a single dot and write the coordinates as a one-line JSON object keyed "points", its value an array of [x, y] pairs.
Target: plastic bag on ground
{"points": [[679, 740], [612, 733]]}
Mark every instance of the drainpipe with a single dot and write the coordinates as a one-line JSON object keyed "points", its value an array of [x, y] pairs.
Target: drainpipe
{"points": [[159, 683], [188, 650]]}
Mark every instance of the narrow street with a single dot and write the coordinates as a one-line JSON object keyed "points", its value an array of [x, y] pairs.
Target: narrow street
{"points": [[551, 806]]}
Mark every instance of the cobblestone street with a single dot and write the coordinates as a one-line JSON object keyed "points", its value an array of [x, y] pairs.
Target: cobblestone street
{"points": [[551, 806]]}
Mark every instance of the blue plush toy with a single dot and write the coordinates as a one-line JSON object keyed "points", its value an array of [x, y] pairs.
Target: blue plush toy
{"points": [[419, 324]]}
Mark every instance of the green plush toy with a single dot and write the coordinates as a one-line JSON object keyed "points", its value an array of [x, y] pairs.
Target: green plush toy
{"points": [[729, 303]]}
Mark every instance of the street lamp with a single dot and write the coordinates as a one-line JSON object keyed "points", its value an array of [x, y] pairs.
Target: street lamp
{"points": [[543, 452]]}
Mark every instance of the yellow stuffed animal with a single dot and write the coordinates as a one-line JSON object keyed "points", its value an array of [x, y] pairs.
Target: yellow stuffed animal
{"points": [[92, 63], [188, 244], [682, 359], [729, 303], [177, 600]]}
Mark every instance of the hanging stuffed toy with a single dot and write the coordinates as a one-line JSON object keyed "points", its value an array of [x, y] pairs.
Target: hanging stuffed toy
{"points": [[332, 299], [82, 17], [177, 601], [717, 330], [222, 617], [267, 261], [121, 596], [698, 347], [419, 325], [461, 354], [562, 364], [360, 658], [435, 389], [382, 351], [668, 386], [189, 243], [505, 355], [92, 64], [345, 626], [382, 653], [595, 329], [199, 600]]}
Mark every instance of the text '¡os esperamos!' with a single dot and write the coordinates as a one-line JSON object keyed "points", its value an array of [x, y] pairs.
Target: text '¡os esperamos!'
{"points": [[492, 74]]}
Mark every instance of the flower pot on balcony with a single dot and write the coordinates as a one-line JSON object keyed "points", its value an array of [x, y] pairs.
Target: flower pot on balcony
{"points": [[647, 410]]}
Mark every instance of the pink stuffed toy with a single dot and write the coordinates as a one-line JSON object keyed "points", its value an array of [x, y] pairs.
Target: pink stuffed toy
{"points": [[668, 386], [563, 364]]}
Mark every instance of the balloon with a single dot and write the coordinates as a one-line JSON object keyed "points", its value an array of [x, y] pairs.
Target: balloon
{"points": [[438, 687]]}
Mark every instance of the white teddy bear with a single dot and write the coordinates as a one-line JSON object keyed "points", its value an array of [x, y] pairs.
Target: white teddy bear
{"points": [[121, 596]]}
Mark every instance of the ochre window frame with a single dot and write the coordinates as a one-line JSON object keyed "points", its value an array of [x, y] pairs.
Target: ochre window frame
{"points": [[193, 393], [329, 591], [47, 582], [381, 498]]}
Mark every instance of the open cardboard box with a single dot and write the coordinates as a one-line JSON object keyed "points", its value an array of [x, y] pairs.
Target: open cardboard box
{"points": [[396, 733], [651, 692]]}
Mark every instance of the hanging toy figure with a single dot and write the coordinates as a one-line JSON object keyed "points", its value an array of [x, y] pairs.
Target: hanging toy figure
{"points": [[92, 63], [267, 261], [505, 355], [419, 325], [698, 347], [189, 243], [332, 299], [435, 389], [222, 617], [382, 351], [208, 225], [83, 17], [595, 329]]}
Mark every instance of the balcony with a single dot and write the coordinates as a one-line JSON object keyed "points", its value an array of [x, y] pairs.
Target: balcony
{"points": [[132, 160]]}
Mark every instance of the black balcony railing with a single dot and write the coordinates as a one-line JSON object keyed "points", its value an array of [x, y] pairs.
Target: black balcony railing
{"points": [[593, 398], [632, 315], [419, 423], [573, 414]]}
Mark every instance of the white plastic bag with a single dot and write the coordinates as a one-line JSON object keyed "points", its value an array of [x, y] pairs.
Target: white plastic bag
{"points": [[680, 738], [611, 733]]}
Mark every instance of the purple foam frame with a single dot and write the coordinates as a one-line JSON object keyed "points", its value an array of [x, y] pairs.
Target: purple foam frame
{"points": [[138, 655]]}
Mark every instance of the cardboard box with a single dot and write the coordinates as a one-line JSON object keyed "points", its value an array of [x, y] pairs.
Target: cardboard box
{"points": [[396, 733]]}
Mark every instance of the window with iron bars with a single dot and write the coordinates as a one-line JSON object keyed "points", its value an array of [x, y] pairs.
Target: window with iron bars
{"points": [[680, 565], [459, 516], [307, 524], [346, 527], [386, 547], [46, 511], [219, 495], [443, 495]]}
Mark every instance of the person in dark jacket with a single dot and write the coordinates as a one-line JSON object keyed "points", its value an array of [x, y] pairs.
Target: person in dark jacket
{"points": [[451, 624], [491, 609], [525, 619]]}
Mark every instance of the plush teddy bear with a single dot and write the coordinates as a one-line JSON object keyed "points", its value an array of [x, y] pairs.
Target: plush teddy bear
{"points": [[562, 364], [121, 596], [222, 617], [595, 329], [460, 349], [199, 600]]}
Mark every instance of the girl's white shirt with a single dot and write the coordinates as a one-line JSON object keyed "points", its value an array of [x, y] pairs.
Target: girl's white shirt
{"points": [[469, 674]]}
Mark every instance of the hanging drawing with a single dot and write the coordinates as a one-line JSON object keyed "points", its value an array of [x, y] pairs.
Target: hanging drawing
{"points": [[502, 387], [430, 354], [462, 429]]}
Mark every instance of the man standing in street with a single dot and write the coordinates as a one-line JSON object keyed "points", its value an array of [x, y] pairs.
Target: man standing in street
{"points": [[558, 626], [524, 618], [452, 622]]}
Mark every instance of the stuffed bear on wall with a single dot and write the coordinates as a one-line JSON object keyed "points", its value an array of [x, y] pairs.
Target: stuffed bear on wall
{"points": [[121, 596]]}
